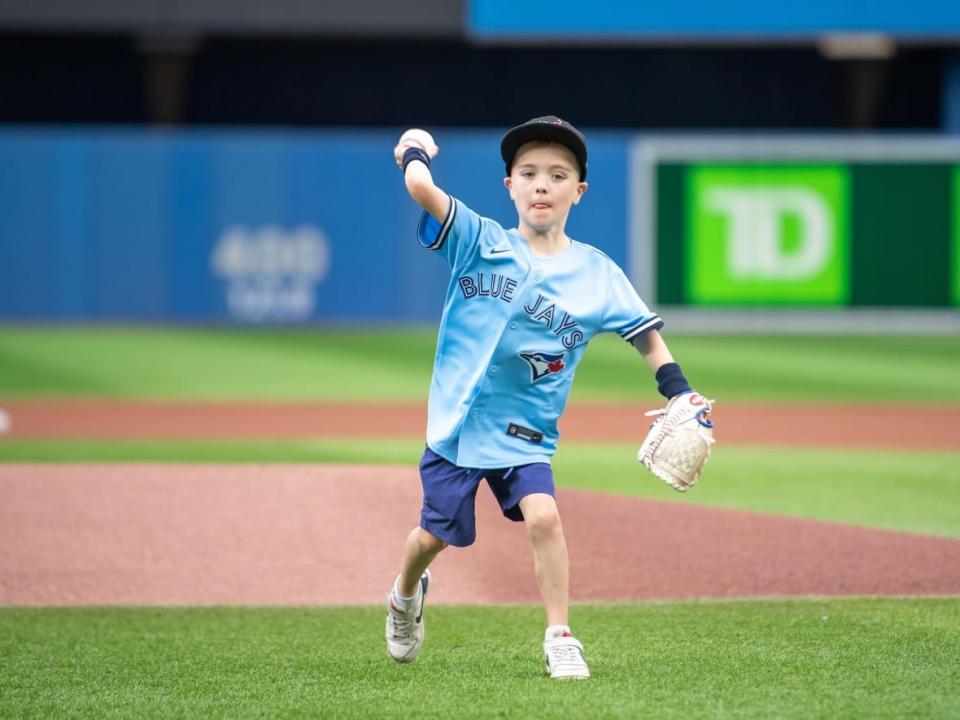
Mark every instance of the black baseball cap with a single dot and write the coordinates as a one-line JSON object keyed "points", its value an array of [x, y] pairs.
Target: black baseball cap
{"points": [[549, 128]]}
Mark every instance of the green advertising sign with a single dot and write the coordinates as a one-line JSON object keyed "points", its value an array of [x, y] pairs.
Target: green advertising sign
{"points": [[767, 234], [955, 275]]}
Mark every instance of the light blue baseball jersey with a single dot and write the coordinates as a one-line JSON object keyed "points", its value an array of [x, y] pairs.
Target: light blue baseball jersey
{"points": [[513, 329]]}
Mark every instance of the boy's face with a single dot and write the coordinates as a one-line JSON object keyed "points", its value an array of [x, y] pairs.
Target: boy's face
{"points": [[544, 183]]}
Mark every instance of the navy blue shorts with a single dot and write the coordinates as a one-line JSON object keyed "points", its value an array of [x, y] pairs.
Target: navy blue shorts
{"points": [[450, 491]]}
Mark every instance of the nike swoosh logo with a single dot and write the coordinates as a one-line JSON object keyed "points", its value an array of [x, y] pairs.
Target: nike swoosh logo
{"points": [[423, 599], [497, 251]]}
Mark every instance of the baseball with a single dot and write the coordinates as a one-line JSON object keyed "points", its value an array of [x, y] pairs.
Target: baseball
{"points": [[421, 138], [415, 137]]}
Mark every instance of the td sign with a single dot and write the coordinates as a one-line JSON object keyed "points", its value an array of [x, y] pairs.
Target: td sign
{"points": [[767, 234]]}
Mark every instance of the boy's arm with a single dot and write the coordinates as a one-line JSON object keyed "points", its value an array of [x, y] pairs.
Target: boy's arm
{"points": [[653, 348], [416, 172], [670, 379]]}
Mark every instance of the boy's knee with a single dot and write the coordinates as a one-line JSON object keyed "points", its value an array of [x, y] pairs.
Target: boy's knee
{"points": [[429, 542], [543, 523]]}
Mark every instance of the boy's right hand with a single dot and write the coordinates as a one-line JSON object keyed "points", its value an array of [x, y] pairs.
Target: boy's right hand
{"points": [[415, 138]]}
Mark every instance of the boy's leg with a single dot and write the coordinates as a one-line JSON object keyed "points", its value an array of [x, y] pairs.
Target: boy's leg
{"points": [[447, 516], [405, 600], [419, 550], [550, 561], [526, 493], [563, 652]]}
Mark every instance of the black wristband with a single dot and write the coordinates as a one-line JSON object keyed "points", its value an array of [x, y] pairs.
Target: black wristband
{"points": [[414, 153], [671, 381]]}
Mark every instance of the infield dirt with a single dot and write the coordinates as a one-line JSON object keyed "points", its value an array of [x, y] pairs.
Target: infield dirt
{"points": [[304, 534], [902, 427], [201, 534]]}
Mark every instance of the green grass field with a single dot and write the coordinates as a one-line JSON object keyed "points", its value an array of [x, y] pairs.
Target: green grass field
{"points": [[859, 658], [395, 365], [852, 658]]}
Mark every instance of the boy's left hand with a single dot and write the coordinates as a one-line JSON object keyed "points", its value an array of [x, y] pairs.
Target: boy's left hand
{"points": [[678, 443]]}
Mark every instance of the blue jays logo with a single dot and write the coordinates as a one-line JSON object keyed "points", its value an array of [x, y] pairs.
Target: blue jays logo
{"points": [[543, 364]]}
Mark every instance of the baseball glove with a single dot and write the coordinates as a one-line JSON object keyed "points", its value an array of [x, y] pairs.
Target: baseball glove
{"points": [[679, 440]]}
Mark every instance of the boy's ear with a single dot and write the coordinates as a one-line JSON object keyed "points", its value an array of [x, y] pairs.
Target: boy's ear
{"points": [[508, 184], [581, 189]]}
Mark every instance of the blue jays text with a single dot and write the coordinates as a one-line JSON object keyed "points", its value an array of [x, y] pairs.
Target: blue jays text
{"points": [[502, 287]]}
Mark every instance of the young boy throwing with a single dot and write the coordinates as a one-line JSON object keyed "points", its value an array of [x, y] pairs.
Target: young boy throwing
{"points": [[521, 306]]}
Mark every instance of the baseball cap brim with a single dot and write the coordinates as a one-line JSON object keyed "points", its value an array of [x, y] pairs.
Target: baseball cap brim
{"points": [[551, 129]]}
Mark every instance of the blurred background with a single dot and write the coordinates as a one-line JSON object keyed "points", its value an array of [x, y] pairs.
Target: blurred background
{"points": [[207, 255], [752, 166]]}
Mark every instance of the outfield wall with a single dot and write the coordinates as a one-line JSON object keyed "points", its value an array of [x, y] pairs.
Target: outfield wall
{"points": [[224, 226], [293, 226]]}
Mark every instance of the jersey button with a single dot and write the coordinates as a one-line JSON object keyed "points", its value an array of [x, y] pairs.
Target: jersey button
{"points": [[514, 325], [493, 370], [538, 277]]}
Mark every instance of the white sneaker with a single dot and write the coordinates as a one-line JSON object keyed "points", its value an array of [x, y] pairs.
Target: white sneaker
{"points": [[405, 629], [564, 656]]}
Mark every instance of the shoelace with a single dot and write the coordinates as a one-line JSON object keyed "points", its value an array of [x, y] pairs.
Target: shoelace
{"points": [[565, 653], [401, 624]]}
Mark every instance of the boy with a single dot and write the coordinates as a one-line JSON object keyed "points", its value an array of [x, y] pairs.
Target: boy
{"points": [[521, 306]]}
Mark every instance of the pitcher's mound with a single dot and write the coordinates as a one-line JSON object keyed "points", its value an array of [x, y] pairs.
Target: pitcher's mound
{"points": [[298, 534]]}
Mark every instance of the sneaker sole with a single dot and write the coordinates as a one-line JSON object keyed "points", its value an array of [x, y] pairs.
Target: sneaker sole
{"points": [[570, 677], [576, 675]]}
